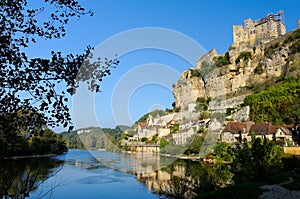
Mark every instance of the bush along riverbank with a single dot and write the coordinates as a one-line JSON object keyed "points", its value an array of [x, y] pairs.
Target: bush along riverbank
{"points": [[254, 166]]}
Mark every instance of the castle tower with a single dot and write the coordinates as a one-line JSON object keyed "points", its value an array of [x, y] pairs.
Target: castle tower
{"points": [[298, 23]]}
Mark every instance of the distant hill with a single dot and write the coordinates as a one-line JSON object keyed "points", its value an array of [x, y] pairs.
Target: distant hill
{"points": [[94, 137]]}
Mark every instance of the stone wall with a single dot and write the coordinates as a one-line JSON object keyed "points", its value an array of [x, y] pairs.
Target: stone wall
{"points": [[292, 150]]}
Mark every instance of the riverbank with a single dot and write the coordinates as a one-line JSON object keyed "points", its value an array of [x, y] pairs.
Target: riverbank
{"points": [[29, 156]]}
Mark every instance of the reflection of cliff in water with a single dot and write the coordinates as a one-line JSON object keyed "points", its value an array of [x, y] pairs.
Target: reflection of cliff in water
{"points": [[20, 177], [185, 178]]}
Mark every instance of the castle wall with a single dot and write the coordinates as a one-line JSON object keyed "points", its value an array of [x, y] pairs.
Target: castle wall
{"points": [[260, 31]]}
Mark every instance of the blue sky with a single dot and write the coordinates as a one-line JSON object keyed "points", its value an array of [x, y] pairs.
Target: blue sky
{"points": [[209, 23]]}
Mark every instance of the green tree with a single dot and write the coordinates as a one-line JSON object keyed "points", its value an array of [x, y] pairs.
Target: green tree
{"points": [[224, 152], [246, 55], [163, 142], [195, 145], [278, 104], [222, 60], [258, 160], [38, 77]]}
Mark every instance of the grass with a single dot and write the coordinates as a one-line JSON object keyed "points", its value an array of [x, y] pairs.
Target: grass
{"points": [[244, 190]]}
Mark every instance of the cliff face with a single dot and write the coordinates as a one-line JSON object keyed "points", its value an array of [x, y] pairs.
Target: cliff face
{"points": [[187, 89], [246, 68]]}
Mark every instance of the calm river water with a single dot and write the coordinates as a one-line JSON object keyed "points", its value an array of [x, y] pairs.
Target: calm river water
{"points": [[98, 174]]}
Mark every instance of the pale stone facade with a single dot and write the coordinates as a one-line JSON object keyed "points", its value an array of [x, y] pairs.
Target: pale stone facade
{"points": [[181, 137], [259, 31]]}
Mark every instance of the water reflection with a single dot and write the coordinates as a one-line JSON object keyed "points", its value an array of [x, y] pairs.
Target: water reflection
{"points": [[133, 162], [169, 177], [186, 178], [18, 178]]}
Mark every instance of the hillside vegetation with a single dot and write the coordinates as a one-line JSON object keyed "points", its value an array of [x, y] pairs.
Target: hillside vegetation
{"points": [[277, 104], [94, 138]]}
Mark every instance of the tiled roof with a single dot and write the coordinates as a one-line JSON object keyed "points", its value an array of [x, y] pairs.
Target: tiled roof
{"points": [[288, 126], [285, 130], [234, 127], [142, 124], [248, 126], [263, 129]]}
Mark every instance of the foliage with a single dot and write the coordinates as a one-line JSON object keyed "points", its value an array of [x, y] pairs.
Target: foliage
{"points": [[295, 47], [292, 37], [201, 100], [201, 107], [177, 109], [277, 104], [202, 130], [152, 113], [94, 138], [223, 152], [175, 128], [30, 139], [259, 69], [163, 142], [222, 60], [32, 83], [144, 139], [246, 55], [195, 73], [258, 160], [73, 140], [204, 115], [154, 139], [195, 145], [254, 49]]}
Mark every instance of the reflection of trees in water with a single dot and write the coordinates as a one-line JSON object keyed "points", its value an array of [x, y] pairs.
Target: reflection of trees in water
{"points": [[185, 179], [20, 177]]}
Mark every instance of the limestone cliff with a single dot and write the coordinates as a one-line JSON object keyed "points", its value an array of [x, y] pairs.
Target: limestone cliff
{"points": [[244, 68]]}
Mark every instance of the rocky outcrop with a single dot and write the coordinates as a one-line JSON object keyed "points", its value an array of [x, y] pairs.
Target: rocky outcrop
{"points": [[187, 89], [248, 67]]}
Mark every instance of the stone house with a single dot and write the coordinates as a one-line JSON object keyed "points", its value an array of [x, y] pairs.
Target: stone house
{"points": [[181, 137], [162, 132], [283, 132], [234, 132], [264, 130]]}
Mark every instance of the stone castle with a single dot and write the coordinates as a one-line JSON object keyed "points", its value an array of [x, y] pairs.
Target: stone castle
{"points": [[260, 31]]}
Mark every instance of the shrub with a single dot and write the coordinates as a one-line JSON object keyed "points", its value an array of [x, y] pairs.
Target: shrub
{"points": [[195, 73], [201, 100], [222, 60], [204, 115], [246, 55], [295, 47], [177, 109], [259, 69]]}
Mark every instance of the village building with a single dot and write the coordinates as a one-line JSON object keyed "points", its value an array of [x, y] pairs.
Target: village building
{"points": [[181, 137], [264, 130], [234, 132]]}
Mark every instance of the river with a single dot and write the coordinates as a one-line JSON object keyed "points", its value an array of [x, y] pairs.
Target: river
{"points": [[99, 174]]}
